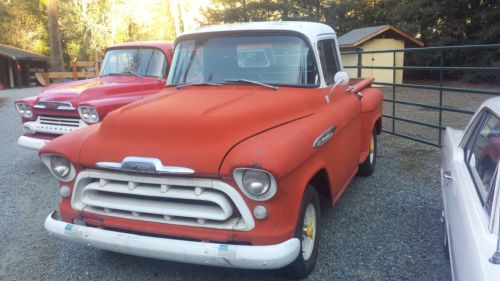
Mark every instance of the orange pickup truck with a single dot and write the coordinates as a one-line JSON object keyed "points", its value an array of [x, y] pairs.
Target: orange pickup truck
{"points": [[226, 166]]}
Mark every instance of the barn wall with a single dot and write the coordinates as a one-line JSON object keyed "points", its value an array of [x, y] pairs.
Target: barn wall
{"points": [[350, 60], [383, 59]]}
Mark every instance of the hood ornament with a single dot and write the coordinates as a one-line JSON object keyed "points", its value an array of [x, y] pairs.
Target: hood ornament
{"points": [[144, 165]]}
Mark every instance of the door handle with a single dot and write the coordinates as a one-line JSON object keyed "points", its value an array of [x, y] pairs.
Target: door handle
{"points": [[447, 175]]}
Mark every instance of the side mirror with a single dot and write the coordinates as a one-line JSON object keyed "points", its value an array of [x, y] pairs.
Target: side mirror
{"points": [[341, 78]]}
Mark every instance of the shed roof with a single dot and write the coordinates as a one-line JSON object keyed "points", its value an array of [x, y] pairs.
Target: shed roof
{"points": [[359, 36], [17, 54]]}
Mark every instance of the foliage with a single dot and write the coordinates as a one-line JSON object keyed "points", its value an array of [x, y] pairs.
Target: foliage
{"points": [[23, 24], [87, 26], [90, 25], [436, 23]]}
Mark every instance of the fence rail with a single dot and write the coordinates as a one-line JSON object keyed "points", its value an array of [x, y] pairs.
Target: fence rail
{"points": [[441, 69]]}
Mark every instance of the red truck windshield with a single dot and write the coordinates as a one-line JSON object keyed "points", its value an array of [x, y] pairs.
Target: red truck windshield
{"points": [[141, 61], [271, 59]]}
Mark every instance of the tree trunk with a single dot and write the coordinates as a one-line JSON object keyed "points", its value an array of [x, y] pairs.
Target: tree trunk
{"points": [[285, 10], [56, 56]]}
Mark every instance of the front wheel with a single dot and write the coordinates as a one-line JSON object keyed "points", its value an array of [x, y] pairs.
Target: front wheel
{"points": [[307, 232], [368, 167]]}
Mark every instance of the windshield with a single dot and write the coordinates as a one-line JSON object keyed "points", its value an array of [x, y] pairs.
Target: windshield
{"points": [[270, 59], [141, 61]]}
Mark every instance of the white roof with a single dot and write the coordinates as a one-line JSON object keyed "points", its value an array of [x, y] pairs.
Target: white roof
{"points": [[493, 104], [310, 29]]}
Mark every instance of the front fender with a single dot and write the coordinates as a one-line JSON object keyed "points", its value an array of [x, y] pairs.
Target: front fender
{"points": [[371, 113], [287, 153]]}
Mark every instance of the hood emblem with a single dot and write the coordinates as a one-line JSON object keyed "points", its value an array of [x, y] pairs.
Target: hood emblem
{"points": [[144, 165]]}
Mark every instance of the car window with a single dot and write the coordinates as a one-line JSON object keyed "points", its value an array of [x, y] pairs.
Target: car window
{"points": [[277, 59], [489, 200], [328, 57], [141, 61], [156, 65], [482, 153]]}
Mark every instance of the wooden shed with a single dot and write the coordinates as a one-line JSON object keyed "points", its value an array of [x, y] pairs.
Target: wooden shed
{"points": [[18, 67], [382, 37]]}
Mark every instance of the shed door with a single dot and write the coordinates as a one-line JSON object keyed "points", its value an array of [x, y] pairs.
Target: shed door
{"points": [[383, 59]]}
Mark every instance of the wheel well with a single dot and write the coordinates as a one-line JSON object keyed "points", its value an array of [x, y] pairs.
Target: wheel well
{"points": [[378, 126], [321, 184]]}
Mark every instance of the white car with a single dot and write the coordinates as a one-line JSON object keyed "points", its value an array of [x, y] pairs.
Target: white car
{"points": [[470, 186]]}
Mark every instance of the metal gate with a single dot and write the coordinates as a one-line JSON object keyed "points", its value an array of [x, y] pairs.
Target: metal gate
{"points": [[399, 94]]}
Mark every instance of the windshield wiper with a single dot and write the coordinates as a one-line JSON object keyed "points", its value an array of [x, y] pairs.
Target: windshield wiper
{"points": [[123, 73], [251, 82], [198, 84], [133, 73]]}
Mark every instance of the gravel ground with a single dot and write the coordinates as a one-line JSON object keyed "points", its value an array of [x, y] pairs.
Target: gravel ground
{"points": [[385, 227]]}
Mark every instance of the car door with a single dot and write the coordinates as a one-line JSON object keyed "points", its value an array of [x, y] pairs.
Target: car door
{"points": [[469, 172], [344, 110]]}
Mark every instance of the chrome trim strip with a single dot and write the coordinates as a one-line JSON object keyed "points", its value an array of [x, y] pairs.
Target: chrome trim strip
{"points": [[205, 253], [324, 137], [144, 165], [57, 105]]}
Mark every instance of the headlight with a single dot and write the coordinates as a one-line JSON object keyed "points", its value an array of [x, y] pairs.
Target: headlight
{"points": [[256, 184], [24, 110], [88, 114], [59, 166]]}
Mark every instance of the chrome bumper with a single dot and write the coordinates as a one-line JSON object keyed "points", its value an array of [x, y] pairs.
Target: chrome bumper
{"points": [[31, 143], [214, 254]]}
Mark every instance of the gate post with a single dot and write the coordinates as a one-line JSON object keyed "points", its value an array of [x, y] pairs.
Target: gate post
{"points": [[359, 50]]}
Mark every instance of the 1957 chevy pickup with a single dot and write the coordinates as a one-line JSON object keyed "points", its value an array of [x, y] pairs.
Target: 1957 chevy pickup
{"points": [[130, 71], [226, 166]]}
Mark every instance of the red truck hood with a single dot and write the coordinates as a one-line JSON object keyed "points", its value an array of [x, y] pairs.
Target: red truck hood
{"points": [[90, 89], [192, 127]]}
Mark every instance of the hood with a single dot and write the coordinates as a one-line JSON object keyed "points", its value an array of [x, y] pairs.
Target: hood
{"points": [[192, 127], [90, 89]]}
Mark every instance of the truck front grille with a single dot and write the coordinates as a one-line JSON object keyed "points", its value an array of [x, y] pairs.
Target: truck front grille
{"points": [[184, 201], [60, 121], [54, 125]]}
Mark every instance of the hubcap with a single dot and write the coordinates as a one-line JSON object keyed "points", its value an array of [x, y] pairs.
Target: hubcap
{"points": [[372, 149], [309, 232]]}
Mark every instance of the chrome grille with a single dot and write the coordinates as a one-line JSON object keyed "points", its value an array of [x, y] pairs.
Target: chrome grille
{"points": [[54, 125], [70, 122], [184, 201]]}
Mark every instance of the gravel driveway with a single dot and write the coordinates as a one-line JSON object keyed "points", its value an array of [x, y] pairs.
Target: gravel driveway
{"points": [[385, 227]]}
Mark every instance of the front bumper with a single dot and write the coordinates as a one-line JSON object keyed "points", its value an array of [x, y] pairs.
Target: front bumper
{"points": [[32, 143], [214, 254]]}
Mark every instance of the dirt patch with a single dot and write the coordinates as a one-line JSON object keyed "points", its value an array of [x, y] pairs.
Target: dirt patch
{"points": [[2, 102]]}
